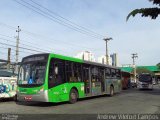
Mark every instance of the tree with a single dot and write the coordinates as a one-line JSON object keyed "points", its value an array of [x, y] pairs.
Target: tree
{"points": [[147, 12], [158, 65]]}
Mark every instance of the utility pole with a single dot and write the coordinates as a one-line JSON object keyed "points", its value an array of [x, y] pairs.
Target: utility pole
{"points": [[134, 55], [17, 44], [107, 58], [9, 59], [17, 48]]}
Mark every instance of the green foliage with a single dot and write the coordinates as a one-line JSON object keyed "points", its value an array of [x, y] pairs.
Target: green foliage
{"points": [[158, 65], [147, 12], [157, 2]]}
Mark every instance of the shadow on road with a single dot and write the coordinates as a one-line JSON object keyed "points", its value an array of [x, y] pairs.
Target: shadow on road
{"points": [[6, 100], [48, 104], [154, 91], [40, 104]]}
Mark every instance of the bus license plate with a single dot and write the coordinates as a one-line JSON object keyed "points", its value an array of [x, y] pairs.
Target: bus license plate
{"points": [[28, 98]]}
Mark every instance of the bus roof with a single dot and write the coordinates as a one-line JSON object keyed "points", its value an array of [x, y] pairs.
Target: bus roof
{"points": [[69, 59], [99, 64], [66, 58]]}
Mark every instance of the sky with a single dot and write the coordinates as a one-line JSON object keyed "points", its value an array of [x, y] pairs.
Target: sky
{"points": [[57, 32]]}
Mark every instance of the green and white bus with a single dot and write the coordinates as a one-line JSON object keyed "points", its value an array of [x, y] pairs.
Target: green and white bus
{"points": [[55, 78]]}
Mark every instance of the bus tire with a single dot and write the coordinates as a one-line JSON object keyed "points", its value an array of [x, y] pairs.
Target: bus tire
{"points": [[73, 96], [111, 91]]}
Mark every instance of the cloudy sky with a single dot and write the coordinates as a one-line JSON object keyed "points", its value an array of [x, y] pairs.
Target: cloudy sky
{"points": [[70, 26]]}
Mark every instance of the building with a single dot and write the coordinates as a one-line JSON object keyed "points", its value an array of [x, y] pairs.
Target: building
{"points": [[113, 61], [86, 55], [102, 60]]}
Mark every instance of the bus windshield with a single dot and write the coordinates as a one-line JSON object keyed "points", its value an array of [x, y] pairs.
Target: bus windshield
{"points": [[32, 73], [145, 78]]}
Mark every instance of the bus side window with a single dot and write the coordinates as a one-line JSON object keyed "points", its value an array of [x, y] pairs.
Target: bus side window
{"points": [[77, 72], [95, 74], [118, 74], [68, 70], [113, 73], [56, 72], [59, 72], [108, 73]]}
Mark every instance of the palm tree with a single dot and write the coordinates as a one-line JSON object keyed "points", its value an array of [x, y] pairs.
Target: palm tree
{"points": [[147, 12]]}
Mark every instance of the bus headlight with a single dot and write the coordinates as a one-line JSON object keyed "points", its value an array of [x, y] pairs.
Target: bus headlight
{"points": [[42, 89]]}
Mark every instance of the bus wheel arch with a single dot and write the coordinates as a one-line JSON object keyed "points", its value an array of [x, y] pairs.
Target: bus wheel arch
{"points": [[111, 90], [73, 95]]}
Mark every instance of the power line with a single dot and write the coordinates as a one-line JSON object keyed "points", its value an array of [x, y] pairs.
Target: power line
{"points": [[50, 39], [65, 23], [3, 53], [25, 44], [20, 42], [7, 40], [6, 36], [8, 26], [51, 17], [15, 50], [66, 19], [21, 47], [41, 36], [72, 46]]}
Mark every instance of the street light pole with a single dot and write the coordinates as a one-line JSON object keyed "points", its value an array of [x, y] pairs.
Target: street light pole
{"points": [[107, 39]]}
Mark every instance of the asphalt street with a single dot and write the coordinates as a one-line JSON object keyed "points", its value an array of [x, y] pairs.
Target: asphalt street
{"points": [[128, 101]]}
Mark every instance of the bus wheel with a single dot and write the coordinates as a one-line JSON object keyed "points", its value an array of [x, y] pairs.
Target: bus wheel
{"points": [[73, 96], [111, 91]]}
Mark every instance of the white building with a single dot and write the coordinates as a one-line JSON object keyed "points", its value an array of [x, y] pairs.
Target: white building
{"points": [[102, 60], [86, 55], [113, 61]]}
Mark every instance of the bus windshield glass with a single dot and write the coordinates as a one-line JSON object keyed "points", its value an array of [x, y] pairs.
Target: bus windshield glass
{"points": [[145, 78], [32, 73]]}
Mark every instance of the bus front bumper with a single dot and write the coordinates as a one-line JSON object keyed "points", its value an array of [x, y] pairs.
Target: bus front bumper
{"points": [[39, 97], [145, 86]]}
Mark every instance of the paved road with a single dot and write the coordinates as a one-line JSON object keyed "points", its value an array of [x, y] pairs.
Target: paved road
{"points": [[128, 101]]}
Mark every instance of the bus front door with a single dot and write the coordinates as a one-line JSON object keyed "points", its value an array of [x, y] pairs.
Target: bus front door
{"points": [[86, 77]]}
